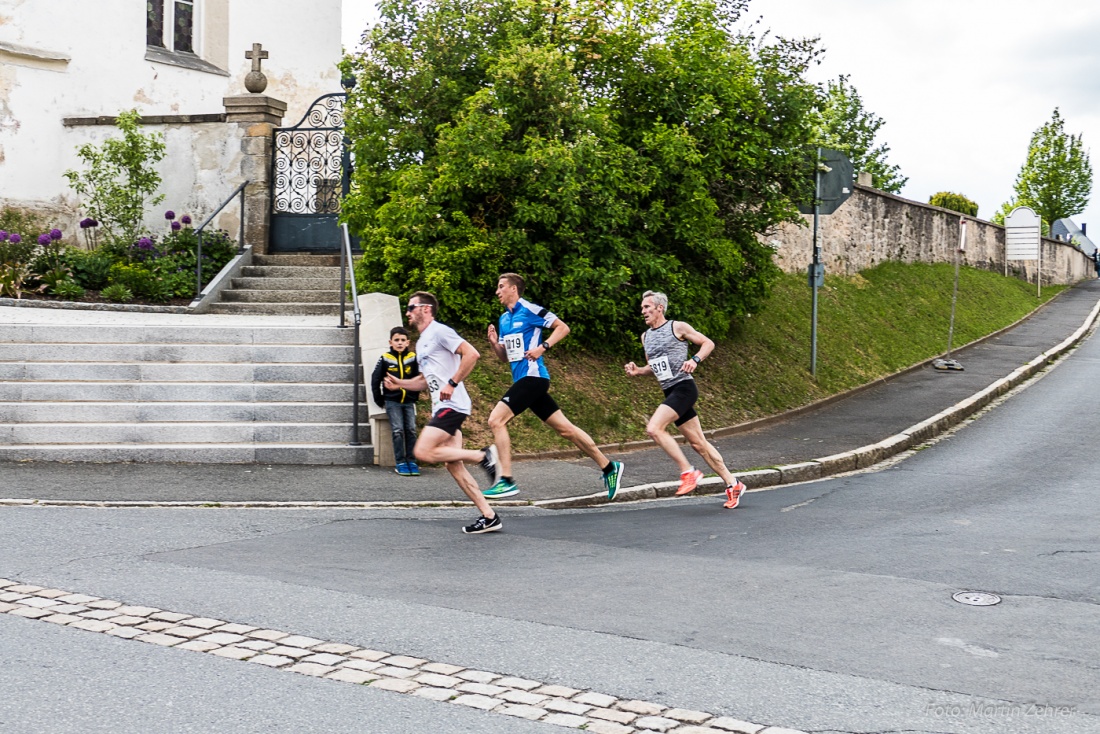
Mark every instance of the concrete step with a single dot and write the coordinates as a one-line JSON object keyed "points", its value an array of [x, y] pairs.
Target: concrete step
{"points": [[243, 453], [127, 412], [179, 432], [177, 334], [177, 392], [250, 353], [288, 284], [315, 309], [302, 260], [173, 372], [281, 271], [281, 296]]}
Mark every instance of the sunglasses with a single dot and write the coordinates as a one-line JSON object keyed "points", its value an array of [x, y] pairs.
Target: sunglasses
{"points": [[414, 306]]}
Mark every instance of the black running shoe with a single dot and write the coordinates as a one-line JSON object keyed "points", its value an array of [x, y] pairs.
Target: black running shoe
{"points": [[482, 525], [489, 463]]}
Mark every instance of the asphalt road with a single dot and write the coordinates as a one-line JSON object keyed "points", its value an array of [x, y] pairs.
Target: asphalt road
{"points": [[824, 607]]}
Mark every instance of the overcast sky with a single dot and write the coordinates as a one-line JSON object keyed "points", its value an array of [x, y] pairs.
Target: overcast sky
{"points": [[961, 84]]}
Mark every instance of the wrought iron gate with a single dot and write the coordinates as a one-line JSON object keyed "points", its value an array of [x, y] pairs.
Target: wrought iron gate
{"points": [[310, 173]]}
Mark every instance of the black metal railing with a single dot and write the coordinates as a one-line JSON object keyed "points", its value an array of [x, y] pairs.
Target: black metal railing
{"points": [[345, 266], [198, 233]]}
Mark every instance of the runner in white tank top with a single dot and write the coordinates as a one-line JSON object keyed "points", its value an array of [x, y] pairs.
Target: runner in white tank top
{"points": [[666, 353]]}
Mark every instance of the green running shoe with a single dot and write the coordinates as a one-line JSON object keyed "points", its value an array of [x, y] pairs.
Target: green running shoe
{"points": [[502, 488], [613, 478]]}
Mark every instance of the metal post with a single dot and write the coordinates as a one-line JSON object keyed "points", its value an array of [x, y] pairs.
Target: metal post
{"points": [[355, 399], [240, 234], [816, 262], [198, 264], [343, 284], [949, 362]]}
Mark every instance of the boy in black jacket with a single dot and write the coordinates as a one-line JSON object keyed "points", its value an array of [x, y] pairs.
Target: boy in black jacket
{"points": [[400, 405]]}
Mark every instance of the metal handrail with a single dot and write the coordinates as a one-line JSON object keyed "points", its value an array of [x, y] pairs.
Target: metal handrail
{"points": [[201, 227], [345, 264]]}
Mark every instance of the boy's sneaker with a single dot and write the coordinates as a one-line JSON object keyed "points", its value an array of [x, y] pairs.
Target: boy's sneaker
{"points": [[503, 488], [483, 525], [612, 478], [733, 494], [688, 481], [414, 469], [402, 469], [489, 463]]}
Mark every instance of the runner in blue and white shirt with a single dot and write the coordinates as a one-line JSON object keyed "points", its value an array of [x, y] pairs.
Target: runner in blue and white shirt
{"points": [[526, 332]]}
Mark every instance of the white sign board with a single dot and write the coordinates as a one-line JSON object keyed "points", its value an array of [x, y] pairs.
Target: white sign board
{"points": [[1022, 229]]}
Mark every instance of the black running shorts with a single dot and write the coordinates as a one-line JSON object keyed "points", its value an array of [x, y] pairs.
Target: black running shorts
{"points": [[533, 393], [681, 398], [447, 419]]}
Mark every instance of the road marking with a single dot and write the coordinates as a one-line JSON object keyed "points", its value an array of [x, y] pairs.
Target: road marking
{"points": [[336, 661]]}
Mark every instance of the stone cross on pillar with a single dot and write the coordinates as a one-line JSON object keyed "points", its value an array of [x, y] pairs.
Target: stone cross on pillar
{"points": [[256, 82]]}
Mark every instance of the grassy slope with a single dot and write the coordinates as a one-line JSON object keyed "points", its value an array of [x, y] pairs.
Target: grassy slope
{"points": [[869, 325]]}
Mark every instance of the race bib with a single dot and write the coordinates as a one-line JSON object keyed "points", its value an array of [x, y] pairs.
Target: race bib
{"points": [[660, 368], [513, 346], [434, 385]]}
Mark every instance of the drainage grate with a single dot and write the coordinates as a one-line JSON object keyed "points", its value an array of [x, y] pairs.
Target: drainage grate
{"points": [[976, 598]]}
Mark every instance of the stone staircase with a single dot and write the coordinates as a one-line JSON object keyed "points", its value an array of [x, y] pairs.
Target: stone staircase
{"points": [[198, 393], [284, 284]]}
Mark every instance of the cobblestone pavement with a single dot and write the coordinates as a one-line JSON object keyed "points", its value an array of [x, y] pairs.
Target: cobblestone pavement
{"points": [[436, 681]]}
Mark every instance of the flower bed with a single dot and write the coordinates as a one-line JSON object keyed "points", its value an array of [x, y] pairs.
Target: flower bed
{"points": [[154, 269]]}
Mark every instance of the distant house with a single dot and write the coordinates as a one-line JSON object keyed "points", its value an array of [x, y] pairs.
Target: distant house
{"points": [[65, 66], [1066, 230]]}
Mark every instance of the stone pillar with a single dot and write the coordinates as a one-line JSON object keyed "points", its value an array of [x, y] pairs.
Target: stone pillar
{"points": [[257, 115], [381, 312], [864, 178]]}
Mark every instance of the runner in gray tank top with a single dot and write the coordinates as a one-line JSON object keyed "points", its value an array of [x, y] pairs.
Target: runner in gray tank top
{"points": [[666, 348]]}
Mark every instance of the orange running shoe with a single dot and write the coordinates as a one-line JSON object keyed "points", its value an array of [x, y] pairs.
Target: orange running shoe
{"points": [[733, 494], [688, 481]]}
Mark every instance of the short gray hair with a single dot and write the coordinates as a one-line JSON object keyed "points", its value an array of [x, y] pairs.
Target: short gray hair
{"points": [[659, 299]]}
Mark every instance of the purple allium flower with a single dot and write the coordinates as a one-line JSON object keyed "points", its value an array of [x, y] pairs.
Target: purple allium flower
{"points": [[93, 223], [169, 215], [176, 226], [145, 244], [85, 222], [3, 235], [15, 239], [43, 239], [186, 219], [55, 234]]}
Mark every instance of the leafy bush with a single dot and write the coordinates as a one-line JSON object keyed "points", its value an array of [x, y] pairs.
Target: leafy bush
{"points": [[954, 202], [67, 289], [598, 149], [117, 293], [90, 269], [139, 281], [120, 179]]}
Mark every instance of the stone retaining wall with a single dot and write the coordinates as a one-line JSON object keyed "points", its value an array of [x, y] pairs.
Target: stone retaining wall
{"points": [[874, 226]]}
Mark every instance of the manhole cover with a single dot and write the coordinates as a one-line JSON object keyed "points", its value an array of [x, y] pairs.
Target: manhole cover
{"points": [[976, 598]]}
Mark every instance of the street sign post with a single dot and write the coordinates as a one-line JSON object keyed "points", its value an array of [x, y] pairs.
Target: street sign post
{"points": [[833, 174]]}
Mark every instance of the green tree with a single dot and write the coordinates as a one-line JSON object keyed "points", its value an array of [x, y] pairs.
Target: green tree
{"points": [[120, 180], [843, 124], [598, 149], [954, 202], [1056, 178]]}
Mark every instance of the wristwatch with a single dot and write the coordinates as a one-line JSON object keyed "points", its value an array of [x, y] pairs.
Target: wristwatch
{"points": [[545, 346], [695, 359], [452, 383]]}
